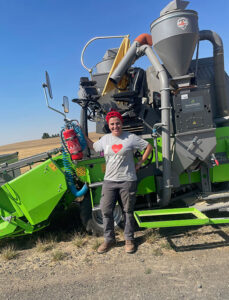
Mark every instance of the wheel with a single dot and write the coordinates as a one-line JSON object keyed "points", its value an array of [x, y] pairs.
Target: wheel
{"points": [[92, 220], [97, 220]]}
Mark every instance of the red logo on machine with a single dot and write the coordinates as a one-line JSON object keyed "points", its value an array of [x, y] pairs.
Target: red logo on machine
{"points": [[182, 23]]}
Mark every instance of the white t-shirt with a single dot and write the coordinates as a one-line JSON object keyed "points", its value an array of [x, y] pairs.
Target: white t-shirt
{"points": [[118, 153]]}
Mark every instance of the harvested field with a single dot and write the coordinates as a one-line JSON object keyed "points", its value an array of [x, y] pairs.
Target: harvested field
{"points": [[33, 147]]}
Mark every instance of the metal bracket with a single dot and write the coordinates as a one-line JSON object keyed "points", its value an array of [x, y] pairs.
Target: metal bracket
{"points": [[7, 219]]}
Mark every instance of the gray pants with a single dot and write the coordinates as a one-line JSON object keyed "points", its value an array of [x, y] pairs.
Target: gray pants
{"points": [[127, 192]]}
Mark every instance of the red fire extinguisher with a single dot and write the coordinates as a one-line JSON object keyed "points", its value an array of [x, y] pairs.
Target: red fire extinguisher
{"points": [[73, 144]]}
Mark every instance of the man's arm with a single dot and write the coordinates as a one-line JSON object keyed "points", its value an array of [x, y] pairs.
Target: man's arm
{"points": [[146, 154]]}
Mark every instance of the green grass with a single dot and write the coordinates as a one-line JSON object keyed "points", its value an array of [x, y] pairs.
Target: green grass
{"points": [[166, 245], [152, 236], [148, 271], [79, 240], [9, 253], [58, 255], [46, 244], [157, 252], [96, 244]]}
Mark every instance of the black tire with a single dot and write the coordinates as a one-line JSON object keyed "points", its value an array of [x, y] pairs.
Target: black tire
{"points": [[92, 220], [85, 210]]}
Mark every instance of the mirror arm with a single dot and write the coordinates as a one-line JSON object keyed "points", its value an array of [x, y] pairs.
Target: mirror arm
{"points": [[47, 102]]}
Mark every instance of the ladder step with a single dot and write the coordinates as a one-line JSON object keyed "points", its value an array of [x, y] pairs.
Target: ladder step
{"points": [[175, 217]]}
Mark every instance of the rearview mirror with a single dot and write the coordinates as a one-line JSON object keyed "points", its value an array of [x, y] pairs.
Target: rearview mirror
{"points": [[48, 84], [65, 104]]}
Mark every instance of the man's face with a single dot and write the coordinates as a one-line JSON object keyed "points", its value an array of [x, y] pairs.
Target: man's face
{"points": [[115, 126]]}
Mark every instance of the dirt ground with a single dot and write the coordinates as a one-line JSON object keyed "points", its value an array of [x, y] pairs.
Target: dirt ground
{"points": [[62, 262], [168, 264]]}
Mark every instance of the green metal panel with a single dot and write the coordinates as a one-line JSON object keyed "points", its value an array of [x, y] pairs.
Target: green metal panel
{"points": [[96, 195], [221, 173], [146, 186], [222, 137], [36, 193], [227, 147], [192, 177], [5, 204], [7, 228]]}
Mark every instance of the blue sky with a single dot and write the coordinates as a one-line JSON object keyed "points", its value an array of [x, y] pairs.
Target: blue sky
{"points": [[39, 35]]}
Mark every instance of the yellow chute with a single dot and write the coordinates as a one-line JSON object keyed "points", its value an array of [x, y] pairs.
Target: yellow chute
{"points": [[125, 45]]}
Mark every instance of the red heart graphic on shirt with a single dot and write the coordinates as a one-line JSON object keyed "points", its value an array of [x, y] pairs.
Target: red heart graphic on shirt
{"points": [[116, 148]]}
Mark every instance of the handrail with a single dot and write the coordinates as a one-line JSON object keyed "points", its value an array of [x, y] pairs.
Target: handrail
{"points": [[93, 39]]}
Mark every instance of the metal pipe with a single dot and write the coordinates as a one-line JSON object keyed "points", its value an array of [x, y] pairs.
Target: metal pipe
{"points": [[125, 63], [155, 135], [84, 125], [95, 184], [164, 199], [222, 107], [130, 56]]}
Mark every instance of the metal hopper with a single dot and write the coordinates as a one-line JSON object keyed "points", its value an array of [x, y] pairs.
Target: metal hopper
{"points": [[175, 34]]}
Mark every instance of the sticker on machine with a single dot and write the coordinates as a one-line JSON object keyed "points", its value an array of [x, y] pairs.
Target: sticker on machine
{"points": [[182, 23], [184, 96], [52, 166]]}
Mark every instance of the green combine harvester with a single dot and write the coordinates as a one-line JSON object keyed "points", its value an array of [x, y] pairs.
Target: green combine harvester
{"points": [[180, 104]]}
